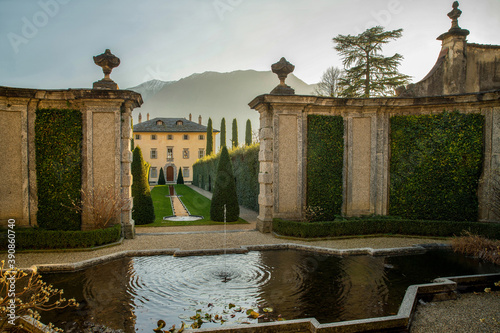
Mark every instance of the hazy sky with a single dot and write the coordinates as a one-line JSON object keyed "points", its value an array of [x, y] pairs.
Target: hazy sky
{"points": [[50, 43]]}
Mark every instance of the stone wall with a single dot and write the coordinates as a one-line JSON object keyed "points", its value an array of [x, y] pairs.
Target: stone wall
{"points": [[106, 152], [283, 135]]}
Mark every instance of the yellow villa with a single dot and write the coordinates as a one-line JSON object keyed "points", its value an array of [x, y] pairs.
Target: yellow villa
{"points": [[171, 144]]}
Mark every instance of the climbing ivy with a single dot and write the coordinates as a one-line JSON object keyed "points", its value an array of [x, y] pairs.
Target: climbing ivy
{"points": [[436, 162], [58, 149], [325, 155]]}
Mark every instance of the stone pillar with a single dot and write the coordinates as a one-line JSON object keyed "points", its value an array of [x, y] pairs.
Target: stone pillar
{"points": [[491, 167], [128, 224], [266, 157]]}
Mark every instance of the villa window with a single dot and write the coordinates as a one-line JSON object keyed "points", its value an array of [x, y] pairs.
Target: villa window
{"points": [[185, 172], [170, 137], [153, 136], [201, 137], [185, 153], [159, 122], [179, 123], [153, 154], [201, 153], [170, 154], [137, 136], [185, 137], [153, 173]]}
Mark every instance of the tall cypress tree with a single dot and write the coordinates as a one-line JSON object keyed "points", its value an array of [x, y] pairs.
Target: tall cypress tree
{"points": [[234, 139], [161, 177], [210, 138], [248, 133], [180, 178], [224, 191], [223, 133], [143, 211]]}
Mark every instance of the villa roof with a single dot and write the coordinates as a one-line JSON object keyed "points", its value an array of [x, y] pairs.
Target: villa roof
{"points": [[170, 125]]}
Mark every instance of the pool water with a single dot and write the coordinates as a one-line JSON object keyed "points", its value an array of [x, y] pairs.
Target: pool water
{"points": [[132, 294]]}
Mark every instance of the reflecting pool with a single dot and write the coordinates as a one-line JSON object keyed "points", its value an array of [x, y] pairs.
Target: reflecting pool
{"points": [[132, 294]]}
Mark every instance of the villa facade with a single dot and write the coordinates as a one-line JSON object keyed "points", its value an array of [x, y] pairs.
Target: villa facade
{"points": [[172, 144]]}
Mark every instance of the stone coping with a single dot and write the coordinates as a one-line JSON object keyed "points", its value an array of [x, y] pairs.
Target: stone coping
{"points": [[440, 289], [73, 267]]}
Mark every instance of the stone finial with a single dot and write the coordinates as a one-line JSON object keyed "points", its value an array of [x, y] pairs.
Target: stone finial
{"points": [[107, 61], [454, 15], [282, 68], [455, 29]]}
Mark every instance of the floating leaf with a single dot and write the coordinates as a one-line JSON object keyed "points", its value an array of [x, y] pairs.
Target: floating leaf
{"points": [[231, 305], [253, 314], [267, 309]]}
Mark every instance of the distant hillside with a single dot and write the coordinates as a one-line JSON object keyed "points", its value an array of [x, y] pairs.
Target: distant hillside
{"points": [[214, 95], [149, 88]]}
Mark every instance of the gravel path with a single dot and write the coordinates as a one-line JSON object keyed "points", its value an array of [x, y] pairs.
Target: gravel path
{"points": [[469, 313]]}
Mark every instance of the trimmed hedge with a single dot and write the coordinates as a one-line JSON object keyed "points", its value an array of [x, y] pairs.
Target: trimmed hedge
{"points": [[325, 161], [384, 226], [58, 149], [245, 162], [41, 239], [436, 162]]}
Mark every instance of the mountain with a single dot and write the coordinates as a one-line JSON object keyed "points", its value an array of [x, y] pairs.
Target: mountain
{"points": [[149, 88], [215, 95]]}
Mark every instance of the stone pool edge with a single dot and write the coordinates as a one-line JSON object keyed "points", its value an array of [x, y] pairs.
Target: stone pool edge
{"points": [[73, 267], [439, 290]]}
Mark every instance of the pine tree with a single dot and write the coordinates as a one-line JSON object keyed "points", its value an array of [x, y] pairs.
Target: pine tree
{"points": [[143, 210], [161, 177], [248, 133], [234, 140], [180, 178], [223, 133], [367, 72], [210, 138], [224, 191]]}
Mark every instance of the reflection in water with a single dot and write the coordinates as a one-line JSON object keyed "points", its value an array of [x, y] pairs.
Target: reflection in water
{"points": [[132, 294]]}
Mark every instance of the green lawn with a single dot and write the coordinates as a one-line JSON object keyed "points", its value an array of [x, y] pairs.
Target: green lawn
{"points": [[196, 204]]}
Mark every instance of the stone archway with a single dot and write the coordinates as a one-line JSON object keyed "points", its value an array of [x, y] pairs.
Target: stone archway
{"points": [[170, 173]]}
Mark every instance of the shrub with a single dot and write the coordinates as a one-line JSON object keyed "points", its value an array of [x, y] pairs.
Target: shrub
{"points": [[383, 226], [30, 296], [478, 246], [180, 178], [161, 177], [104, 205], [143, 210], [40, 239], [436, 162], [224, 191], [58, 149]]}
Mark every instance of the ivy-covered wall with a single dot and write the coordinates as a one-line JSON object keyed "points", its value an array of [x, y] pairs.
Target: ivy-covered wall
{"points": [[58, 146], [325, 160], [245, 163], [436, 162]]}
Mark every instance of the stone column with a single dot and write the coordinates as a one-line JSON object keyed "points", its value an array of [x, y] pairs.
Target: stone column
{"points": [[266, 156], [128, 224]]}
